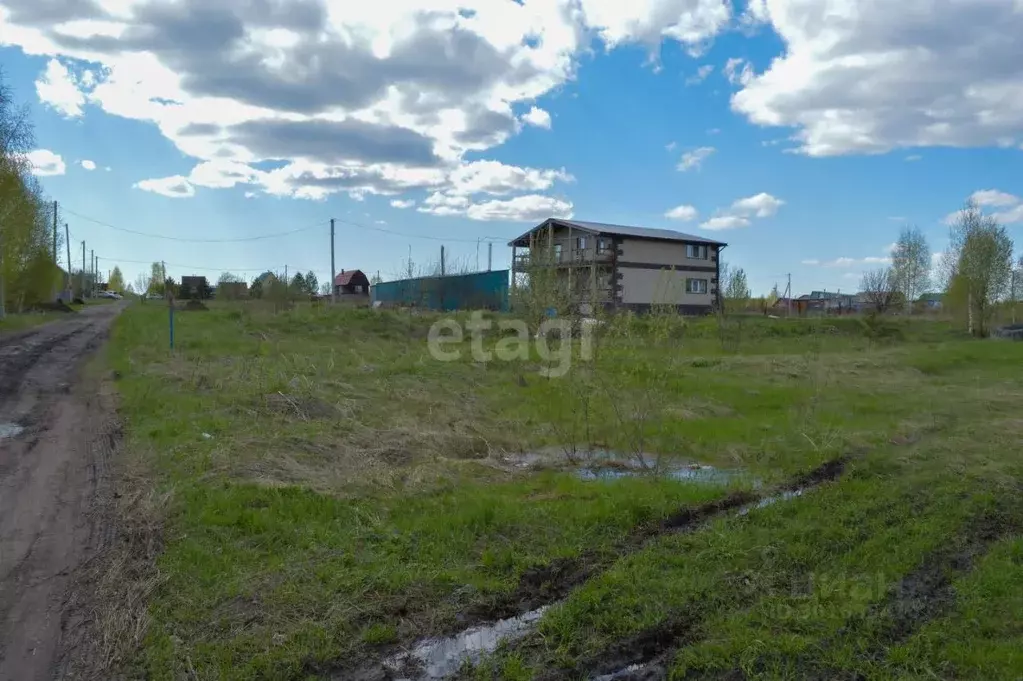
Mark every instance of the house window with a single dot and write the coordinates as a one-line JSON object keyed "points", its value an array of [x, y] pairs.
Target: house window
{"points": [[557, 252], [603, 246], [696, 251], [580, 243], [696, 285]]}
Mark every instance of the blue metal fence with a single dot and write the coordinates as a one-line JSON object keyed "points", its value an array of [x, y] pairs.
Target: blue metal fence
{"points": [[480, 290]]}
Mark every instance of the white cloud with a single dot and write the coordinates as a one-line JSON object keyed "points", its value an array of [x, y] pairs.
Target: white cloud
{"points": [[866, 76], [742, 212], [846, 262], [713, 131], [403, 203], [700, 75], [493, 177], [914, 157], [1010, 217], [738, 71], [1011, 206], [993, 197], [528, 208], [175, 187], [250, 195], [88, 165], [722, 222], [45, 162], [762, 205], [537, 117], [348, 97], [690, 22], [685, 213], [695, 158], [58, 88], [670, 146]]}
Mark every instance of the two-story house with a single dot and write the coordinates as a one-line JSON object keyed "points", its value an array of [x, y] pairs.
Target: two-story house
{"points": [[621, 267]]}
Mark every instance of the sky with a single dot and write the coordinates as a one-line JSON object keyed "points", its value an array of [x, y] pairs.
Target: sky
{"points": [[803, 133]]}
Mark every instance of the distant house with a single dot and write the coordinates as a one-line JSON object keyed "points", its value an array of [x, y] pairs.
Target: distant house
{"points": [[929, 301], [232, 290], [194, 287], [601, 265], [351, 283]]}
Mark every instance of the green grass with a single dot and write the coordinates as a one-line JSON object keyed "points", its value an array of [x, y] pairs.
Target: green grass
{"points": [[27, 320], [334, 490]]}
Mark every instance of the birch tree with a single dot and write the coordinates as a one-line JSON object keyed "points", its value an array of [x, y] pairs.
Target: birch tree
{"points": [[979, 260], [911, 264]]}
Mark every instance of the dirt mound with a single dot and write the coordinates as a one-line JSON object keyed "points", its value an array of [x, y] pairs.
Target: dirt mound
{"points": [[195, 306]]}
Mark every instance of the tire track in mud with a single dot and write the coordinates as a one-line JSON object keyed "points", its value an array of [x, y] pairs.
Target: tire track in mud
{"points": [[920, 596], [49, 475], [547, 585]]}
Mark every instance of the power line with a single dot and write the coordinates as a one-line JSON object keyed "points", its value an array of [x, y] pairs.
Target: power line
{"points": [[423, 236], [195, 241]]}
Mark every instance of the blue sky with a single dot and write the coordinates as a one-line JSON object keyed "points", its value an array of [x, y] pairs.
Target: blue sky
{"points": [[804, 133]]}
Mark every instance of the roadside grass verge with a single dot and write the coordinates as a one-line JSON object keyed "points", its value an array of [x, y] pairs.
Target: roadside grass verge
{"points": [[333, 491]]}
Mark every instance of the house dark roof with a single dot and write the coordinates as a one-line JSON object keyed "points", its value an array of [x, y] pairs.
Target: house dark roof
{"points": [[618, 230], [345, 278]]}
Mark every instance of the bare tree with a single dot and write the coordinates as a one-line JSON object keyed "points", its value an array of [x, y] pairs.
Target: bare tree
{"points": [[736, 289], [141, 285], [911, 264], [879, 287], [978, 259]]}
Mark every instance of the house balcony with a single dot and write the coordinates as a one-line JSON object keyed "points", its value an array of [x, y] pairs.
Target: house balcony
{"points": [[563, 258]]}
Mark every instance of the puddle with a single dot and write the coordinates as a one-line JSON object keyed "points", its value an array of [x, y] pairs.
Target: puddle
{"points": [[774, 499], [621, 674], [436, 659], [602, 464], [689, 472], [10, 430]]}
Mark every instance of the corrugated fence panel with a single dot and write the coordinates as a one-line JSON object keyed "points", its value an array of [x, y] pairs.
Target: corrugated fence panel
{"points": [[480, 290]]}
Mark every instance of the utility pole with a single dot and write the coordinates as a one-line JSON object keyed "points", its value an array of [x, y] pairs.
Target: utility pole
{"points": [[55, 258], [82, 292], [442, 261], [477, 254], [67, 243], [410, 261], [490, 256], [163, 273], [333, 288], [92, 273], [788, 296], [1012, 295]]}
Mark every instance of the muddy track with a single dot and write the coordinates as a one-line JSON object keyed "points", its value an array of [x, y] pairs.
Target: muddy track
{"points": [[51, 466], [548, 584], [919, 597]]}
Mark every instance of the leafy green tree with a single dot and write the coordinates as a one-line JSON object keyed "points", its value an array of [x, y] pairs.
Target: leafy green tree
{"points": [[312, 283], [978, 261], [298, 284], [116, 282]]}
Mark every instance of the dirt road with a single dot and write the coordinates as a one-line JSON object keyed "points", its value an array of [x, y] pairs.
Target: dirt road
{"points": [[56, 432]]}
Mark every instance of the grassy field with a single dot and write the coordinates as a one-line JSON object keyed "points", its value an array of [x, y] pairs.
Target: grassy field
{"points": [[311, 492]]}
